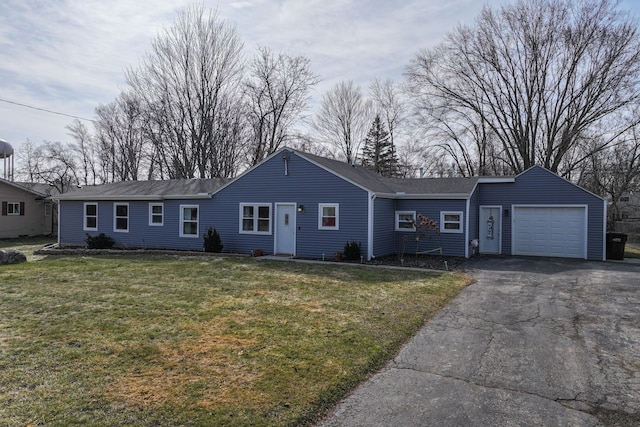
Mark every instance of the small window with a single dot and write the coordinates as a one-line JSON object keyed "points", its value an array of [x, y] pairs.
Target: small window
{"points": [[90, 216], [13, 208], [156, 214], [405, 220], [189, 221], [47, 209], [255, 218], [328, 216], [121, 217], [451, 222]]}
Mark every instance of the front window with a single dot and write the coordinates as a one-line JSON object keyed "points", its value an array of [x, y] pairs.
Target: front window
{"points": [[13, 208], [90, 216], [47, 209], [189, 221], [405, 220], [255, 218], [328, 218], [451, 222], [121, 217], [156, 214]]}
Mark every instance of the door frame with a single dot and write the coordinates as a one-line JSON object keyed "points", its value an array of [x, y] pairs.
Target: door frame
{"points": [[295, 227], [497, 230]]}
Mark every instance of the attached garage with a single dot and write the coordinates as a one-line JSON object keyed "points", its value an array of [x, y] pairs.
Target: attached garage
{"points": [[542, 214], [556, 231]]}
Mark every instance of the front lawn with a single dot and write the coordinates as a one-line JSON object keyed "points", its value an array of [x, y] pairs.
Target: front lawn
{"points": [[160, 340]]}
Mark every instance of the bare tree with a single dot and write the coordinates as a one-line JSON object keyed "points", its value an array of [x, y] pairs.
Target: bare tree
{"points": [[122, 131], [85, 149], [536, 76], [277, 91], [51, 163], [390, 105], [185, 83], [343, 119], [615, 171]]}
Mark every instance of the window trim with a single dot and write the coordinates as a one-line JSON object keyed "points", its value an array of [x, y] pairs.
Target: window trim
{"points": [[85, 216], [443, 223], [152, 214], [321, 206], [397, 223], [116, 217], [15, 207], [197, 221], [256, 218]]}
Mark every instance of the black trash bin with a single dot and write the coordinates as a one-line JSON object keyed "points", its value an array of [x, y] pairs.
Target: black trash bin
{"points": [[615, 245]]}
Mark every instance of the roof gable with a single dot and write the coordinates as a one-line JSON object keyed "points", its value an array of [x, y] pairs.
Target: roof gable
{"points": [[537, 169], [24, 187]]}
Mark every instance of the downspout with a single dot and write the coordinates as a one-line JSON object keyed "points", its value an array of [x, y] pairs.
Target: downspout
{"points": [[371, 198], [58, 215]]}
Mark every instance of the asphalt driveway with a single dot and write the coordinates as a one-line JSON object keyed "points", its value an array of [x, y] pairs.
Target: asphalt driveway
{"points": [[543, 342]]}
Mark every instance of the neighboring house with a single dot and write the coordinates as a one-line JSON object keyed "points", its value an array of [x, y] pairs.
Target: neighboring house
{"points": [[303, 205], [26, 210]]}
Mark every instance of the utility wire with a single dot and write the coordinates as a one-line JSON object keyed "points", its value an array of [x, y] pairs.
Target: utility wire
{"points": [[46, 111]]}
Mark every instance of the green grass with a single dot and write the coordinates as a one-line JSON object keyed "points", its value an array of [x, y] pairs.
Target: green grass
{"points": [[164, 341], [632, 250], [28, 245]]}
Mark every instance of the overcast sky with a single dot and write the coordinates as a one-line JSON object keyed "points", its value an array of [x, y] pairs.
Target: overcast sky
{"points": [[68, 56]]}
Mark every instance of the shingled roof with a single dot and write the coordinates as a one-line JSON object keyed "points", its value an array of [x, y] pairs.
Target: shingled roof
{"points": [[147, 190], [458, 186]]}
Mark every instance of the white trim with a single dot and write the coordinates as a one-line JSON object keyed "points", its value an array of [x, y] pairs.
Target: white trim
{"points": [[182, 221], [13, 205], [146, 197], [295, 225], [604, 230], [256, 209], [321, 206], [466, 231], [443, 196], [370, 219], [115, 218], [496, 180], [151, 215], [585, 229], [84, 216], [449, 230], [397, 221]]}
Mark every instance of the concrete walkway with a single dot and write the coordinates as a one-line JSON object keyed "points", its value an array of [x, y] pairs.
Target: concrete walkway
{"points": [[541, 342]]}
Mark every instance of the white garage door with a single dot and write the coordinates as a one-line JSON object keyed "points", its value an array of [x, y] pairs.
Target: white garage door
{"points": [[550, 231]]}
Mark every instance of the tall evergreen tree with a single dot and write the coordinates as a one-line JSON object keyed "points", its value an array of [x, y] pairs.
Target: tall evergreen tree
{"points": [[378, 153]]}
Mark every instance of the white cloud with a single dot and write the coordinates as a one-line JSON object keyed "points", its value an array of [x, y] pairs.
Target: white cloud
{"points": [[69, 55]]}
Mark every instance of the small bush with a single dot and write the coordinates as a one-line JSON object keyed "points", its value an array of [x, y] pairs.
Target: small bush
{"points": [[212, 241], [101, 241], [352, 251]]}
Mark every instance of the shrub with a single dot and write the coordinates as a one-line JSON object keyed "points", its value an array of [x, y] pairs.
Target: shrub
{"points": [[101, 241], [212, 241], [352, 251]]}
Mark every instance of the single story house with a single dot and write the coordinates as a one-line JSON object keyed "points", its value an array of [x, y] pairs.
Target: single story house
{"points": [[26, 210], [299, 204]]}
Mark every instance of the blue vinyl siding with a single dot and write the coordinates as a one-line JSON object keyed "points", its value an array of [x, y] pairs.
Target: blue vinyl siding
{"points": [[140, 234], [538, 186], [304, 184], [383, 227], [452, 244]]}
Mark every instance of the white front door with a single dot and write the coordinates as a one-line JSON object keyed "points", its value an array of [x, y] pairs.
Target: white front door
{"points": [[285, 229], [490, 229]]}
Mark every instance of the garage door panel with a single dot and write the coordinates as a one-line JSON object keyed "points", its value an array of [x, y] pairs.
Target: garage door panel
{"points": [[549, 231]]}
